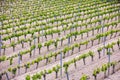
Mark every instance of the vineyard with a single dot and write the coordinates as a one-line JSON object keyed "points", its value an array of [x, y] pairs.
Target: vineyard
{"points": [[59, 40]]}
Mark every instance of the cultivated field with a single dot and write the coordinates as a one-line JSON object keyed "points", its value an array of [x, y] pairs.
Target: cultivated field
{"points": [[60, 40]]}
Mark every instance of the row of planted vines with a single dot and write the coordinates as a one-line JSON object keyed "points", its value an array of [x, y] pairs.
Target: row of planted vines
{"points": [[59, 39]]}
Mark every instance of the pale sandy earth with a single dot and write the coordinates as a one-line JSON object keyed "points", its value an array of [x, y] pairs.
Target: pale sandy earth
{"points": [[74, 74], [104, 58], [115, 76]]}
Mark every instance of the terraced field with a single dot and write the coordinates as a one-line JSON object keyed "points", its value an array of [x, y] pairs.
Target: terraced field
{"points": [[60, 40]]}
